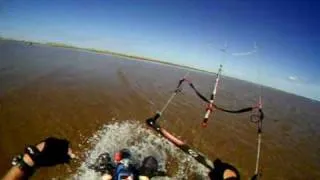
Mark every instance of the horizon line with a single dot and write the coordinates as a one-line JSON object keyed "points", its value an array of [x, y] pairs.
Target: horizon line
{"points": [[143, 58]]}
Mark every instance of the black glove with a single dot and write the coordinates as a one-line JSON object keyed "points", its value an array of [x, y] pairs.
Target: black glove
{"points": [[219, 169], [54, 151]]}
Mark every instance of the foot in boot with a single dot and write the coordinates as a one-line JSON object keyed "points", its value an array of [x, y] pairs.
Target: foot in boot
{"points": [[102, 164]]}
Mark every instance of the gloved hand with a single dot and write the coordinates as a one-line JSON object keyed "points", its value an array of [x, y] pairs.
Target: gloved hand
{"points": [[223, 171], [50, 152]]}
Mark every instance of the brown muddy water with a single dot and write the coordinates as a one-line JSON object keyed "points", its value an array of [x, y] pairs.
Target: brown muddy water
{"points": [[49, 91]]}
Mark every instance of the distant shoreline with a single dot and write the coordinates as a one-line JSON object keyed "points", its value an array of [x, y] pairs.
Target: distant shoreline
{"points": [[106, 52], [63, 45]]}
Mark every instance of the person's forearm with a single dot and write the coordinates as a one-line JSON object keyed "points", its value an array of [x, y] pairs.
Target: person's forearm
{"points": [[49, 152], [15, 173]]}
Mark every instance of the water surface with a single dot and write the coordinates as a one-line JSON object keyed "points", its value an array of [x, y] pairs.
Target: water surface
{"points": [[49, 91]]}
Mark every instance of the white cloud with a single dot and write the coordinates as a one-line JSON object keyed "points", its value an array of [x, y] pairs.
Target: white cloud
{"points": [[293, 78], [244, 53], [254, 50]]}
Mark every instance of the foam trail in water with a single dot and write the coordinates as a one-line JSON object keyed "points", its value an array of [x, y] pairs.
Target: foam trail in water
{"points": [[142, 142]]}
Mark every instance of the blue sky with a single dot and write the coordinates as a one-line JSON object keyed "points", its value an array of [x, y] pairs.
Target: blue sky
{"points": [[187, 32]]}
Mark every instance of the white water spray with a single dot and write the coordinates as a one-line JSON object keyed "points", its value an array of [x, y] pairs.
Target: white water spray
{"points": [[142, 142]]}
